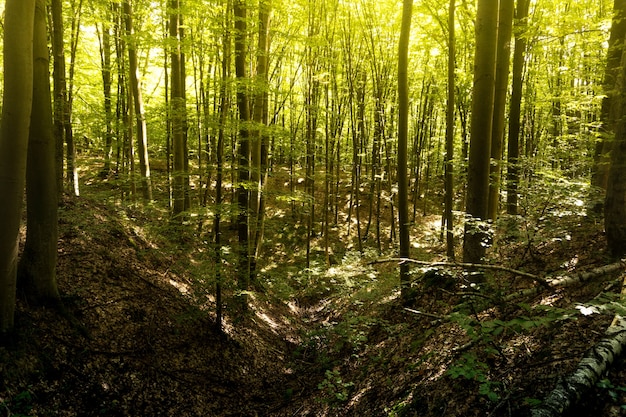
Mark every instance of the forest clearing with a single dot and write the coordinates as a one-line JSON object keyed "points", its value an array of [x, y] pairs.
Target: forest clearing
{"points": [[313, 208]]}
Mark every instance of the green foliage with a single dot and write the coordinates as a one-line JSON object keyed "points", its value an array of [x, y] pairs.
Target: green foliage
{"points": [[617, 393], [486, 335], [18, 406], [336, 390], [472, 369], [550, 208]]}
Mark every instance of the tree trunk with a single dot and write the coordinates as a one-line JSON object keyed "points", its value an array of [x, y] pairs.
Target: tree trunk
{"points": [[480, 132], [615, 202], [219, 155], [241, 27], [449, 162], [72, 166], [60, 90], [601, 162], [105, 61], [403, 127], [177, 113], [505, 28], [513, 148], [260, 117], [37, 267], [14, 131], [142, 134]]}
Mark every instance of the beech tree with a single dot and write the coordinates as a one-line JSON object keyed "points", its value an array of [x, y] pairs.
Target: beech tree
{"points": [[243, 154], [178, 111], [601, 163], [513, 146], [135, 86], [37, 266], [503, 48], [481, 130], [449, 161], [14, 133], [60, 87], [258, 138], [615, 202], [403, 121]]}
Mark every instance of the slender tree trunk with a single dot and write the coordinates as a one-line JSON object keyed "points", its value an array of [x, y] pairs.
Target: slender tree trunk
{"points": [[241, 27], [37, 267], [177, 112], [257, 139], [505, 29], [449, 162], [312, 107], [72, 167], [105, 58], [328, 173], [480, 133], [403, 127], [60, 90], [142, 134], [219, 154], [14, 132], [513, 150], [168, 118]]}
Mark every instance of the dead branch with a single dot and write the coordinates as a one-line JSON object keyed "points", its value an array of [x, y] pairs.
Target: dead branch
{"points": [[421, 313], [463, 265]]}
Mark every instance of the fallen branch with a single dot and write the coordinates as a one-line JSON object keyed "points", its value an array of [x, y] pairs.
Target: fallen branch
{"points": [[533, 277], [591, 368], [421, 313], [563, 281], [566, 280]]}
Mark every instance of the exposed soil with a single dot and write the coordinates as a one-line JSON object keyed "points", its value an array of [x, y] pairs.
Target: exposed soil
{"points": [[137, 335]]}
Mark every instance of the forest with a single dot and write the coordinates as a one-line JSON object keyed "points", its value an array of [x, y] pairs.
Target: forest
{"points": [[313, 208]]}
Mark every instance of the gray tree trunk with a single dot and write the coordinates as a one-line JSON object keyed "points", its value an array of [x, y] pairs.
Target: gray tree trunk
{"points": [[14, 131]]}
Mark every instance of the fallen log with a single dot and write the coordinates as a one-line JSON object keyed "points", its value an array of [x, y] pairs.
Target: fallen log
{"points": [[590, 370], [566, 280]]}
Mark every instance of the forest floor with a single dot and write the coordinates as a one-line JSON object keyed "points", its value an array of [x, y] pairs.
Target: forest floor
{"points": [[137, 336]]}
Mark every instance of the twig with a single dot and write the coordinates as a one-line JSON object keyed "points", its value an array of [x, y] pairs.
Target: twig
{"points": [[432, 316], [533, 277], [466, 294]]}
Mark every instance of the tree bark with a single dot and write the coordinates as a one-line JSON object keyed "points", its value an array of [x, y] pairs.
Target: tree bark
{"points": [[60, 89], [474, 245], [37, 266], [615, 202], [142, 134], [14, 132], [259, 138], [403, 127], [177, 113], [602, 160], [70, 143], [449, 161], [241, 27], [505, 29], [591, 368], [105, 61], [513, 148]]}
